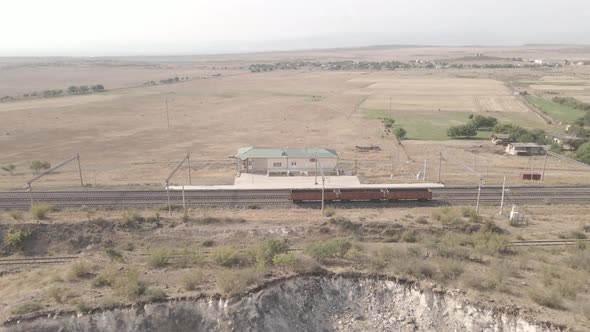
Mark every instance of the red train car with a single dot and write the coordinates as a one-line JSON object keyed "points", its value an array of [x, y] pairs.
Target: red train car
{"points": [[409, 194], [361, 195], [312, 195]]}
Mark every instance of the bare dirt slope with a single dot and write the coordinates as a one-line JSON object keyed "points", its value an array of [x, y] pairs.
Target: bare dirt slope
{"points": [[307, 303]]}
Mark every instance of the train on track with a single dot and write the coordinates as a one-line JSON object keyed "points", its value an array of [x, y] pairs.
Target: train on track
{"points": [[373, 194]]}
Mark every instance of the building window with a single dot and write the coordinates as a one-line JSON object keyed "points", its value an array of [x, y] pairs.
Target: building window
{"points": [[293, 163], [277, 164]]}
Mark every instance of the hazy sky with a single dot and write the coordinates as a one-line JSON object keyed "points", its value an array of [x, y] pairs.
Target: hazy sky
{"points": [[125, 27]]}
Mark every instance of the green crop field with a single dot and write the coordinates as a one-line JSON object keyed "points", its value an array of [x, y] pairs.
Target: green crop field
{"points": [[557, 111], [433, 125]]}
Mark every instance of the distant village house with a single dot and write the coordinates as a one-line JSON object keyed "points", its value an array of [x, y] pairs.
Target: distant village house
{"points": [[525, 149]]}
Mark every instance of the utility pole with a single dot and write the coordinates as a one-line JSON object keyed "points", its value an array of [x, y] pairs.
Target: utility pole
{"points": [[424, 176], [544, 166], [390, 111], [478, 196], [439, 165], [167, 115], [31, 196], [316, 168], [80, 169], [168, 196], [183, 202], [392, 155], [355, 163], [503, 191], [190, 180]]}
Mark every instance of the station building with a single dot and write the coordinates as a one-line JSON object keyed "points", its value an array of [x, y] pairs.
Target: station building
{"points": [[287, 161]]}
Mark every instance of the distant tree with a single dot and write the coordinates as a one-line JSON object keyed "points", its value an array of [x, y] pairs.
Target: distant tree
{"points": [[583, 153], [388, 122], [97, 88], [400, 133], [40, 165], [467, 130], [73, 89], [84, 88], [584, 121], [480, 121], [9, 168]]}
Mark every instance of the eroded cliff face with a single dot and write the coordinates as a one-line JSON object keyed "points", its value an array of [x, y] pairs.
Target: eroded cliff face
{"points": [[304, 303]]}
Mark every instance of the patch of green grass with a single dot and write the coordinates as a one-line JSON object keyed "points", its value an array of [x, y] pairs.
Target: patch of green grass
{"points": [[557, 111]]}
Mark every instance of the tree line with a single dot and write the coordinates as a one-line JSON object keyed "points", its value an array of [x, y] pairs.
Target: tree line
{"points": [[74, 89], [36, 166], [482, 123]]}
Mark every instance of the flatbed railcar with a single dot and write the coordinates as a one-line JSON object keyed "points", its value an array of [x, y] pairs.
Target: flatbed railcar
{"points": [[361, 194]]}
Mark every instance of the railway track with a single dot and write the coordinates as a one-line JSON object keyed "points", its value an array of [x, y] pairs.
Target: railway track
{"points": [[279, 197], [547, 243], [66, 259], [37, 260]]}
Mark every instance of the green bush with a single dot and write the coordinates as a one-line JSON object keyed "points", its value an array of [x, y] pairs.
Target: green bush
{"points": [[453, 245], [446, 216], [40, 211], [450, 269], [106, 277], [114, 254], [408, 236], [471, 214], [16, 215], [329, 212], [236, 282], [492, 243], [158, 258], [131, 218], [16, 237], [187, 257], [343, 223], [192, 279], [59, 294], [78, 270], [266, 251], [155, 294], [546, 297], [422, 220], [225, 256], [329, 249], [128, 284], [285, 260], [26, 308]]}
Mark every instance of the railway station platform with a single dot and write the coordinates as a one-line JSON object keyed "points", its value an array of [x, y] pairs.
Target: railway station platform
{"points": [[255, 181]]}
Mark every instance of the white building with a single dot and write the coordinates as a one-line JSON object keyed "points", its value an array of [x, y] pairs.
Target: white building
{"points": [[525, 149], [288, 161]]}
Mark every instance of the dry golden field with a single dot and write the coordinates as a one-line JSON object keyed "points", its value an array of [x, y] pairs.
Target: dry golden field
{"points": [[124, 140]]}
